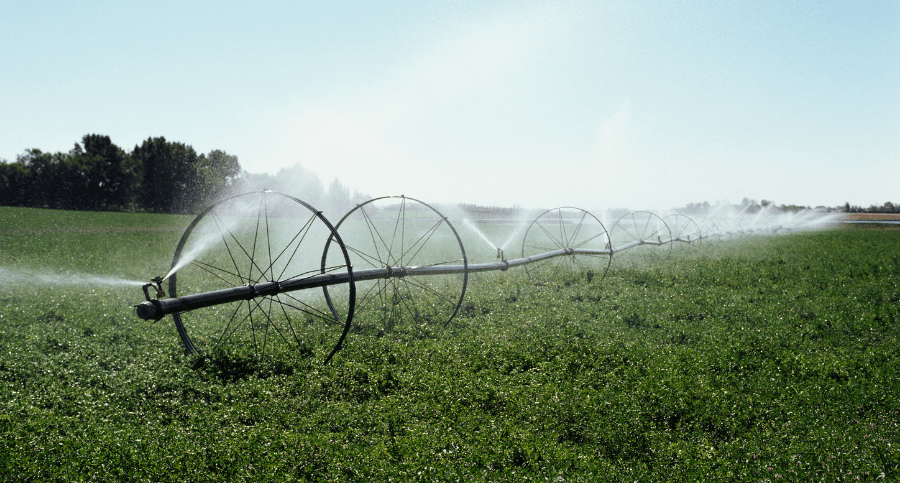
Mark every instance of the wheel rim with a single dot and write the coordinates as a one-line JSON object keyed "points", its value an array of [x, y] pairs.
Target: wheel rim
{"points": [[685, 231], [727, 230], [257, 237], [650, 231], [565, 228], [397, 231], [709, 230]]}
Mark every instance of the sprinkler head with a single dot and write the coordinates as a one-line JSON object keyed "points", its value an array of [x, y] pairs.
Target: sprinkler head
{"points": [[160, 293], [149, 310], [156, 283], [500, 254]]}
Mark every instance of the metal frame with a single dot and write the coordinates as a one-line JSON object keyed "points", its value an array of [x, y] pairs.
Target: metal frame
{"points": [[571, 237]]}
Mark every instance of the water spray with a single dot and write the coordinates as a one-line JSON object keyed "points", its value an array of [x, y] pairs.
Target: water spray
{"points": [[398, 255]]}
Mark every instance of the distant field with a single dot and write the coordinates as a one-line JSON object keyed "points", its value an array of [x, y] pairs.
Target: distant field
{"points": [[763, 358]]}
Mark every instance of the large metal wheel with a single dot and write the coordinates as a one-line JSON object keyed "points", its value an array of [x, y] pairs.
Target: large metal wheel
{"points": [[709, 230], [569, 229], [727, 231], [640, 239], [398, 232], [685, 232], [258, 237]]}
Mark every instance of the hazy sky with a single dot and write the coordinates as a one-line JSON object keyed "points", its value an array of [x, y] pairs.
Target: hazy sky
{"points": [[543, 103]]}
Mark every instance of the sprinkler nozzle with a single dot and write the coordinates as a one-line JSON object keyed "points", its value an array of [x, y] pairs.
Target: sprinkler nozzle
{"points": [[156, 283], [500, 254], [149, 310]]}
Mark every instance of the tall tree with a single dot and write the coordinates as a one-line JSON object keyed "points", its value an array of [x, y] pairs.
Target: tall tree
{"points": [[216, 172], [168, 171], [46, 183], [13, 184], [337, 199], [112, 172]]}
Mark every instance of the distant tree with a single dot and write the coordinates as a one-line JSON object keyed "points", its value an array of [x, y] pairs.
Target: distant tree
{"points": [[695, 208], [46, 182], [255, 182], [749, 206], [337, 200], [215, 174], [174, 179], [301, 183], [14, 180], [359, 198], [167, 175], [295, 180], [98, 176], [158, 176], [792, 208], [112, 173]]}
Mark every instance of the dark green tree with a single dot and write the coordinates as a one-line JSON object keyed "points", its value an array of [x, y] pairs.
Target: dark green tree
{"points": [[111, 173], [174, 179], [167, 172], [13, 184], [46, 182]]}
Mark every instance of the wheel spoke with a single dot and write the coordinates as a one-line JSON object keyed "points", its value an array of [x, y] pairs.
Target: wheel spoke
{"points": [[254, 242], [420, 243], [216, 272], [403, 232], [301, 234], [307, 309], [585, 233], [220, 225]]}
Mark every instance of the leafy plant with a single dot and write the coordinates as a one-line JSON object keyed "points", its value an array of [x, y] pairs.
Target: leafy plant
{"points": [[762, 358]]}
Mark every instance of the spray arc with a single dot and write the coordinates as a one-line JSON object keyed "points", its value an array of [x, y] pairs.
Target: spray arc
{"points": [[265, 272]]}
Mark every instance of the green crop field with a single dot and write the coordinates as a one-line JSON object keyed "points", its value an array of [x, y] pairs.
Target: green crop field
{"points": [[763, 358]]}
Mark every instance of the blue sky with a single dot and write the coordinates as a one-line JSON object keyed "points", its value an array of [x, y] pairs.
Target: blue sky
{"points": [[641, 104]]}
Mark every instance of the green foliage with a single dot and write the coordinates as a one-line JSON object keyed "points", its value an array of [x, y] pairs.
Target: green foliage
{"points": [[157, 176], [98, 176], [751, 360], [214, 173], [168, 175], [115, 172]]}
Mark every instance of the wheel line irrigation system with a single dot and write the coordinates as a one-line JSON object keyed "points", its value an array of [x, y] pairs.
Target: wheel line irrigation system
{"points": [[244, 269]]}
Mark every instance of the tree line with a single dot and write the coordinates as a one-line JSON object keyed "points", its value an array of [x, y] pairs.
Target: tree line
{"points": [[170, 177], [751, 206], [157, 176], [888, 207]]}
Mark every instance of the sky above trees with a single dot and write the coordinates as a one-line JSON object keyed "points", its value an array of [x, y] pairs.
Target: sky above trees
{"points": [[594, 104]]}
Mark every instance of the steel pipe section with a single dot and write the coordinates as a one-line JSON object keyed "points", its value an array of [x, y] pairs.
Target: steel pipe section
{"points": [[156, 309]]}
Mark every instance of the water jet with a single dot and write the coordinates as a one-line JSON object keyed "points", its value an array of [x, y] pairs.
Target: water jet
{"points": [[266, 255]]}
